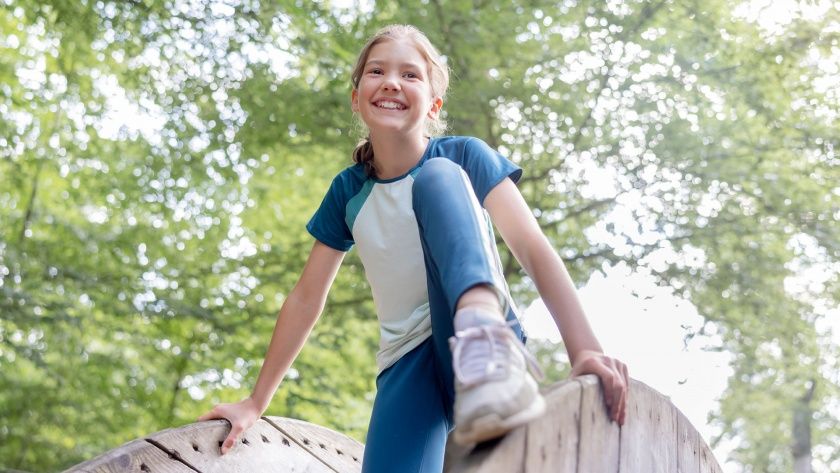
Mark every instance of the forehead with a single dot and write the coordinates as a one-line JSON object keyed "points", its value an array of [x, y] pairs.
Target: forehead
{"points": [[400, 51]]}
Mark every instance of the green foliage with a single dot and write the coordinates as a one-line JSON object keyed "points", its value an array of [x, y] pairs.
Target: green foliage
{"points": [[141, 265]]}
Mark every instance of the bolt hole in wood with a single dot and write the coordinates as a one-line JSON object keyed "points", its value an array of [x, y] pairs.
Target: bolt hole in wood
{"points": [[195, 448], [144, 467], [265, 439], [246, 442], [324, 447], [355, 459], [306, 442], [339, 452], [286, 441]]}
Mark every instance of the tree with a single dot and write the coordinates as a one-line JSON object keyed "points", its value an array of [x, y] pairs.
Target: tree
{"points": [[141, 267]]}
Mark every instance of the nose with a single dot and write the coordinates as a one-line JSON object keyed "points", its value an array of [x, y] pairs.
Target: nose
{"points": [[391, 82]]}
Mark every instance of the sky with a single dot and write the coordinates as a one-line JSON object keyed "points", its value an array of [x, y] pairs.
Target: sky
{"points": [[643, 325]]}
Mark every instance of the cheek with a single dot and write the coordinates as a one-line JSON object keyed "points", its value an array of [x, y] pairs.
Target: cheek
{"points": [[367, 89]]}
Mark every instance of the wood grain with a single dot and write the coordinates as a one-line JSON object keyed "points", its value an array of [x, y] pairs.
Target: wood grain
{"points": [[135, 456], [574, 435], [504, 455], [553, 439], [340, 452], [262, 448], [599, 436]]}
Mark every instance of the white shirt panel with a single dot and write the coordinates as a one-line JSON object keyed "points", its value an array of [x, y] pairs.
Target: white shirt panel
{"points": [[388, 241]]}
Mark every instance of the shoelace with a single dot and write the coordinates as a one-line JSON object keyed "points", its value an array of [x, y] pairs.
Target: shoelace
{"points": [[482, 363]]}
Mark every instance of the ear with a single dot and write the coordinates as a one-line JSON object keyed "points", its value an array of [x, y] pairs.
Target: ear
{"points": [[354, 100], [437, 105]]}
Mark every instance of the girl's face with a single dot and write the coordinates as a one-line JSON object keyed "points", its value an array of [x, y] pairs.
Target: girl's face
{"points": [[395, 92]]}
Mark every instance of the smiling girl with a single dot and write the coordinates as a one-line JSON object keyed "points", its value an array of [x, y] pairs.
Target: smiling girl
{"points": [[419, 207]]}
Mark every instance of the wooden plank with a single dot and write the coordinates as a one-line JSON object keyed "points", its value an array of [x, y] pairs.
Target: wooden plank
{"points": [[553, 439], [688, 446], [649, 434], [340, 452], [708, 462], [504, 455], [455, 454], [261, 448], [599, 436], [574, 435], [135, 456]]}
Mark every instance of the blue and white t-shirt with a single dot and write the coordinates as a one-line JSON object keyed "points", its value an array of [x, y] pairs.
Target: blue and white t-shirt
{"points": [[377, 215]]}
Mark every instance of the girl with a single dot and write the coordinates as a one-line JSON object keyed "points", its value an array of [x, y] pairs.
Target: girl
{"points": [[451, 350]]}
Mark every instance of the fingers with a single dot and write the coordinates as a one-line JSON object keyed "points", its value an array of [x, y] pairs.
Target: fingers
{"points": [[230, 441], [240, 415], [620, 383], [613, 388], [626, 376], [235, 430], [614, 380]]}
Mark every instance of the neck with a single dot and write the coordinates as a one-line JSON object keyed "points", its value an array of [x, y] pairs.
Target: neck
{"points": [[395, 155]]}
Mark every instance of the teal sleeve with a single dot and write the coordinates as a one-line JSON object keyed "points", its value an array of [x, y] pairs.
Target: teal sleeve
{"points": [[328, 225], [487, 167]]}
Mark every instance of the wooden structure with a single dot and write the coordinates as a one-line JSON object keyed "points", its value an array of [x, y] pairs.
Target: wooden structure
{"points": [[272, 445], [574, 436]]}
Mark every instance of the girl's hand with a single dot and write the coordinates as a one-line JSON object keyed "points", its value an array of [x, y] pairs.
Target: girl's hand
{"points": [[241, 416], [614, 379]]}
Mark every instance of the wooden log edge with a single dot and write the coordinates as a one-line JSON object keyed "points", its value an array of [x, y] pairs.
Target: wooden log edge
{"points": [[272, 444], [576, 435]]}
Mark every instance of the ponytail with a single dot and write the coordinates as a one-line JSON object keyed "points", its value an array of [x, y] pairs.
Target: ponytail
{"points": [[363, 154]]}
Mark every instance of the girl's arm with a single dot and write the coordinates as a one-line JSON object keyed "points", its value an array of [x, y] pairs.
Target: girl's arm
{"points": [[297, 316], [522, 234]]}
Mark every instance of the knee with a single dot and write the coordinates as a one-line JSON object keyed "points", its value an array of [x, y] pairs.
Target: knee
{"points": [[434, 176]]}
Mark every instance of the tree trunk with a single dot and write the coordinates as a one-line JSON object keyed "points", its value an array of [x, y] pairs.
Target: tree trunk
{"points": [[802, 415]]}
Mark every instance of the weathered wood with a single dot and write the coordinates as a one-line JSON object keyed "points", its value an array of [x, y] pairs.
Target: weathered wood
{"points": [[262, 448], [649, 432], [505, 455], [135, 456], [599, 436], [340, 452], [574, 436], [553, 439], [688, 446], [708, 462], [455, 454]]}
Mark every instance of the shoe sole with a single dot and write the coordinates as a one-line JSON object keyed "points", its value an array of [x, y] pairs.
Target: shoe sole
{"points": [[492, 426]]}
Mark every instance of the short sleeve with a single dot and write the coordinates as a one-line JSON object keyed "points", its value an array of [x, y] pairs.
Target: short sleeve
{"points": [[486, 167], [327, 225]]}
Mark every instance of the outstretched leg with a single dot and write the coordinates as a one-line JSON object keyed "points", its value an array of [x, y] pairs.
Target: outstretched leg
{"points": [[494, 392]]}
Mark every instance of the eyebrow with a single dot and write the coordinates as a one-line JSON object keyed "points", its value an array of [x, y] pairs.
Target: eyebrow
{"points": [[377, 62]]}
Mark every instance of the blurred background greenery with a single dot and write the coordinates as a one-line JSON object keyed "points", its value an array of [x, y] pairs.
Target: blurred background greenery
{"points": [[159, 159]]}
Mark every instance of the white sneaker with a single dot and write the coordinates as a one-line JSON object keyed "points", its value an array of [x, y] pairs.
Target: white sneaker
{"points": [[494, 393]]}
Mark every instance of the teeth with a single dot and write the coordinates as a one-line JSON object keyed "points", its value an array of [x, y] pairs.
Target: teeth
{"points": [[390, 105]]}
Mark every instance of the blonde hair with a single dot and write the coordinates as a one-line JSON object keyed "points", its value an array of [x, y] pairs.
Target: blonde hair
{"points": [[438, 74]]}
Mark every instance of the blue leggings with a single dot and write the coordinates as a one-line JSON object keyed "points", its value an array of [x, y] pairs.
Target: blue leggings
{"points": [[412, 413]]}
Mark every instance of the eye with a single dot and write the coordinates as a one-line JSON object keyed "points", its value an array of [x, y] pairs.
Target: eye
{"points": [[375, 70], [411, 75]]}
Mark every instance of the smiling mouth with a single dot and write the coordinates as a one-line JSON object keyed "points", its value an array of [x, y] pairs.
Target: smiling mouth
{"points": [[389, 105]]}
